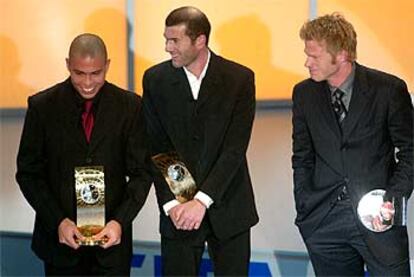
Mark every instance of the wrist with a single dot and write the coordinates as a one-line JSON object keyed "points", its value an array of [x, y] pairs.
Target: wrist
{"points": [[200, 202]]}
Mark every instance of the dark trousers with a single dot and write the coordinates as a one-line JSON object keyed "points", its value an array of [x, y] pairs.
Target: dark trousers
{"points": [[88, 265], [182, 257], [337, 247]]}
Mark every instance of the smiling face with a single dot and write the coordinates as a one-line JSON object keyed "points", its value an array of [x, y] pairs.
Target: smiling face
{"points": [[183, 51], [87, 74]]}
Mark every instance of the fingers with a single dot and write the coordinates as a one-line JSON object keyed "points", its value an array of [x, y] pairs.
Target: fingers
{"points": [[188, 216], [68, 233], [110, 235]]}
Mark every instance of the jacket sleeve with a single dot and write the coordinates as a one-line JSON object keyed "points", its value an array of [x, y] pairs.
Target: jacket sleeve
{"points": [[32, 169], [303, 159], [235, 143], [137, 170], [400, 125], [158, 139]]}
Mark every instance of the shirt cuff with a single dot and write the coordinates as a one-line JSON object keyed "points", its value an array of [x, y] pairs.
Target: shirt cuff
{"points": [[169, 205], [204, 198]]}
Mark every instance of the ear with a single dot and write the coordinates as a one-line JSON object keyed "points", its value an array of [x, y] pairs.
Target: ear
{"points": [[67, 64], [201, 40], [342, 56], [108, 61]]}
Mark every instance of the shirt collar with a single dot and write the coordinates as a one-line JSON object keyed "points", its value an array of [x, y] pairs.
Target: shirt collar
{"points": [[348, 84]]}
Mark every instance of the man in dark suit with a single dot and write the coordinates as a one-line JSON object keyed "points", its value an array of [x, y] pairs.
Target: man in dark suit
{"points": [[202, 106], [56, 139], [348, 121]]}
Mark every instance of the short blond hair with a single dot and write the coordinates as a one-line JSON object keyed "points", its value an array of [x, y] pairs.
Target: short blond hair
{"points": [[335, 31]]}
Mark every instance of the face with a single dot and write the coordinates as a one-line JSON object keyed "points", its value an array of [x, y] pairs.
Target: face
{"points": [[183, 51], [322, 66], [87, 74]]}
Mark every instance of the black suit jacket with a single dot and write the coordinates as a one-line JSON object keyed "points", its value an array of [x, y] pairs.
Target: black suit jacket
{"points": [[53, 144], [380, 119], [211, 135]]}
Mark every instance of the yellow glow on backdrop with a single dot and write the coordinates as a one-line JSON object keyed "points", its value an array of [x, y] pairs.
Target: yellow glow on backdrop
{"points": [[35, 37], [260, 34], [384, 29]]}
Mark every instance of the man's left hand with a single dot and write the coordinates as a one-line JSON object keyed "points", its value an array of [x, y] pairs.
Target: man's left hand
{"points": [[191, 215], [112, 233]]}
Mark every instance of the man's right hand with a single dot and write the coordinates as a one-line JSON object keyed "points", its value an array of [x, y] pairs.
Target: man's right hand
{"points": [[68, 233]]}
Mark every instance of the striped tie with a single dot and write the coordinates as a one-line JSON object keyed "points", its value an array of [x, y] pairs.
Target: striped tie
{"points": [[338, 105]]}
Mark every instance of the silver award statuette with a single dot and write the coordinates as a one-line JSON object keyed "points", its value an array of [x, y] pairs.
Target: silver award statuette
{"points": [[90, 203], [371, 209], [177, 176]]}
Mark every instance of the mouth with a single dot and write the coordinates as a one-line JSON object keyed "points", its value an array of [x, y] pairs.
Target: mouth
{"points": [[88, 90]]}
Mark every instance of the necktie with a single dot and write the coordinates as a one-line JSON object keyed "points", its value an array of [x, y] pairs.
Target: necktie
{"points": [[338, 105], [87, 119]]}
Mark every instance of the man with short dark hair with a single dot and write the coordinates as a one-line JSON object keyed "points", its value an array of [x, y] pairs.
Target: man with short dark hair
{"points": [[84, 121], [202, 106]]}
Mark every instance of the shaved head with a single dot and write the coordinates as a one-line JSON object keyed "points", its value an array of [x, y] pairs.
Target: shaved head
{"points": [[88, 45]]}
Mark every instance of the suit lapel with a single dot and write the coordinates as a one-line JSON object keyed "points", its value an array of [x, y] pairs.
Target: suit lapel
{"points": [[71, 115], [359, 100], [103, 117], [210, 84], [325, 108]]}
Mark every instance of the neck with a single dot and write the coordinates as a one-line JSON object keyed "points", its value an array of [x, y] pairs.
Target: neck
{"points": [[340, 76], [197, 66]]}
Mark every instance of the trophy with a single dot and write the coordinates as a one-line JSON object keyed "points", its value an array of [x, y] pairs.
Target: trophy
{"points": [[379, 216], [90, 203], [176, 174]]}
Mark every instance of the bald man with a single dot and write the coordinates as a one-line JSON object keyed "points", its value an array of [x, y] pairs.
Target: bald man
{"points": [[83, 121]]}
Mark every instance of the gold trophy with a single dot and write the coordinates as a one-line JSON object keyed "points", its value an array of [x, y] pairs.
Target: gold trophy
{"points": [[90, 203], [176, 174]]}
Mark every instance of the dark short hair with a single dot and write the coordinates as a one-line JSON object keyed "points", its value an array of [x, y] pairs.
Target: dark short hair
{"points": [[88, 45], [196, 21]]}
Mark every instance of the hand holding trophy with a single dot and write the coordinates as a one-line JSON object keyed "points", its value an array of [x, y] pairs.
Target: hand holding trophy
{"points": [[379, 216]]}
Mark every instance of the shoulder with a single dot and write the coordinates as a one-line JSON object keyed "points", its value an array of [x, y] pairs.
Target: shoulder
{"points": [[48, 95], [230, 67], [158, 69], [377, 77], [304, 87], [124, 96]]}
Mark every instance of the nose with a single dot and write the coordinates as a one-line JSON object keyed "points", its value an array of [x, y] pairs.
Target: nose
{"points": [[168, 46], [88, 80], [307, 63]]}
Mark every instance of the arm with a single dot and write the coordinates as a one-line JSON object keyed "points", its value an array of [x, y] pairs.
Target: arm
{"points": [[400, 125], [32, 172], [158, 140], [137, 171], [235, 142], [303, 159]]}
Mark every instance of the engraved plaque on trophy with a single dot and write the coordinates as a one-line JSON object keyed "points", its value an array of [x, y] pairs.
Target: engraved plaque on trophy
{"points": [[379, 216], [90, 203], [177, 176]]}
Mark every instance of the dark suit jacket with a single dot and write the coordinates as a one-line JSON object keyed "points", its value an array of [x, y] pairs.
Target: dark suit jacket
{"points": [[380, 119], [211, 135], [53, 144]]}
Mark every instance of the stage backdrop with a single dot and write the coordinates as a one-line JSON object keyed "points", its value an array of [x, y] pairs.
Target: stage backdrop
{"points": [[260, 34]]}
